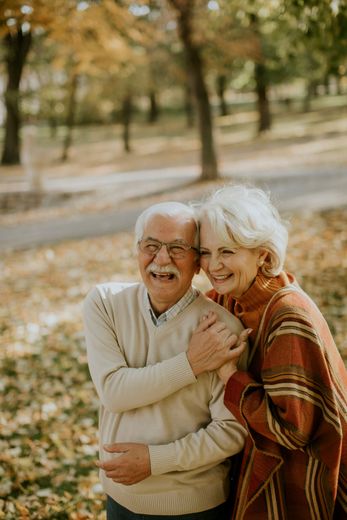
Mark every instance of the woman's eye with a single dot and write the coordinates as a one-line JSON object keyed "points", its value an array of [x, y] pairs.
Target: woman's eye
{"points": [[228, 252], [204, 253]]}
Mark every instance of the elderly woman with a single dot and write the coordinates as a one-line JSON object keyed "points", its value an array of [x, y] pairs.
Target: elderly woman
{"points": [[292, 399]]}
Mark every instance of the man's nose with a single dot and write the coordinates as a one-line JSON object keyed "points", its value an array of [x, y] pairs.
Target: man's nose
{"points": [[163, 257]]}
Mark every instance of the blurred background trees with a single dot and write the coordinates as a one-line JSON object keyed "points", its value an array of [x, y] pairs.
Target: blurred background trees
{"points": [[72, 62]]}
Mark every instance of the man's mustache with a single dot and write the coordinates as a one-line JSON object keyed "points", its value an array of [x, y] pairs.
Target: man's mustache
{"points": [[163, 269]]}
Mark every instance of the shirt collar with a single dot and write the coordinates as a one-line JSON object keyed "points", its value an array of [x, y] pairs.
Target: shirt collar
{"points": [[176, 309]]}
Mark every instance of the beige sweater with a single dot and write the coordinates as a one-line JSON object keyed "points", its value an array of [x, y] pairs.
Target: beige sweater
{"points": [[149, 394]]}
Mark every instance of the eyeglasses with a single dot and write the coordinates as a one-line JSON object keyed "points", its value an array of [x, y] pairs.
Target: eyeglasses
{"points": [[175, 249]]}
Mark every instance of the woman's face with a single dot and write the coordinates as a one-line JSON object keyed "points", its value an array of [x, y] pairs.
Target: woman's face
{"points": [[229, 269]]}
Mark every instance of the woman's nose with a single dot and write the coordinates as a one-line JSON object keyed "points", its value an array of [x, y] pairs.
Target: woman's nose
{"points": [[214, 262]]}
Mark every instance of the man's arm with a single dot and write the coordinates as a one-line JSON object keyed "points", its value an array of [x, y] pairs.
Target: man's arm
{"points": [[120, 387], [221, 438]]}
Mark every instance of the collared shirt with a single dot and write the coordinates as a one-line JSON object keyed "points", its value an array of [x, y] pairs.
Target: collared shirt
{"points": [[173, 311]]}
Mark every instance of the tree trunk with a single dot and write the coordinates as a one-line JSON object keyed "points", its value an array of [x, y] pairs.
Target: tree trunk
{"points": [[188, 104], [70, 118], [153, 112], [52, 119], [221, 86], [264, 122], [209, 169], [315, 89], [126, 119], [309, 94], [261, 83], [327, 84], [17, 48]]}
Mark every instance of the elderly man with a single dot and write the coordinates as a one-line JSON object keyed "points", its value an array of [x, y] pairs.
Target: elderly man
{"points": [[165, 434]]}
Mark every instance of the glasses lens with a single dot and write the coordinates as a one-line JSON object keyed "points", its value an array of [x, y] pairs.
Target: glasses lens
{"points": [[150, 247], [177, 250]]}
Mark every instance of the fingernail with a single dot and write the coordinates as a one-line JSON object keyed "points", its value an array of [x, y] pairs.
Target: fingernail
{"points": [[249, 331]]}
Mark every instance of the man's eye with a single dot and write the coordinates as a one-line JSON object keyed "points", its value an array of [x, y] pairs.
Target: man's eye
{"points": [[177, 249], [151, 247]]}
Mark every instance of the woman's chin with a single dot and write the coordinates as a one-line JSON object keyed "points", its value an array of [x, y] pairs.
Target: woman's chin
{"points": [[222, 288]]}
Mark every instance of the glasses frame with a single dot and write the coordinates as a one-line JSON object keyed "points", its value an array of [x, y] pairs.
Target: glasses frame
{"points": [[186, 248]]}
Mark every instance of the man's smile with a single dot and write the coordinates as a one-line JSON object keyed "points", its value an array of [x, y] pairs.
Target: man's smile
{"points": [[163, 276]]}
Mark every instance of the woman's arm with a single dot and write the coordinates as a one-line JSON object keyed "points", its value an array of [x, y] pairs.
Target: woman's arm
{"points": [[293, 395]]}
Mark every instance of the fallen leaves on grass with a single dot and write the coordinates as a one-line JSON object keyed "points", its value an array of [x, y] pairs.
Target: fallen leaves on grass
{"points": [[48, 424], [317, 254]]}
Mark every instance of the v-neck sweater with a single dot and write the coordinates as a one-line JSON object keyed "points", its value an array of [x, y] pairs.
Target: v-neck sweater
{"points": [[149, 394]]}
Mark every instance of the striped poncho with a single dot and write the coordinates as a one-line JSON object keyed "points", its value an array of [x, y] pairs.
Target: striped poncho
{"points": [[293, 402]]}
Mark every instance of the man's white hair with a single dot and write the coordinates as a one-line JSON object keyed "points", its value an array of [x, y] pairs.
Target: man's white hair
{"points": [[244, 216], [170, 209]]}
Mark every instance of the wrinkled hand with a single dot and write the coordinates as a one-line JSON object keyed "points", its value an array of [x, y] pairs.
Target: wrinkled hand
{"points": [[211, 345], [131, 466], [229, 368]]}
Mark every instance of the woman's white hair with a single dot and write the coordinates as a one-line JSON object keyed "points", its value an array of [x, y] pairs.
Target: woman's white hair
{"points": [[171, 209], [245, 217]]}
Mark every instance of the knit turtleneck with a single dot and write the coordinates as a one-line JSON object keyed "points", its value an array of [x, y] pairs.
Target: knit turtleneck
{"points": [[250, 306]]}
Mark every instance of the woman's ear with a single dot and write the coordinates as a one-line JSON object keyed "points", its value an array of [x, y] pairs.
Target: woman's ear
{"points": [[262, 255]]}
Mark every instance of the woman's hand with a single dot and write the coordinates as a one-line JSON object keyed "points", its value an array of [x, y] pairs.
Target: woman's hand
{"points": [[228, 369], [211, 345]]}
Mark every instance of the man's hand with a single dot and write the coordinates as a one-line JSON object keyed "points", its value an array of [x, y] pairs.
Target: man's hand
{"points": [[228, 369], [131, 466], [212, 345]]}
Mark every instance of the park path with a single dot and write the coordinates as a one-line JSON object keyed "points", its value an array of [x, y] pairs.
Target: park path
{"points": [[294, 189]]}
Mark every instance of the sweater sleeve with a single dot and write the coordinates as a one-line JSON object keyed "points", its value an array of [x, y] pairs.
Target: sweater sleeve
{"points": [[293, 403], [119, 387], [221, 438]]}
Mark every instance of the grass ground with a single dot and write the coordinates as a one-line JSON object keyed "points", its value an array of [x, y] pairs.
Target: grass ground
{"points": [[48, 422]]}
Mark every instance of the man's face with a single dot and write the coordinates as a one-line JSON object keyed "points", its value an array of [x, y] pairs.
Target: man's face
{"points": [[166, 289]]}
